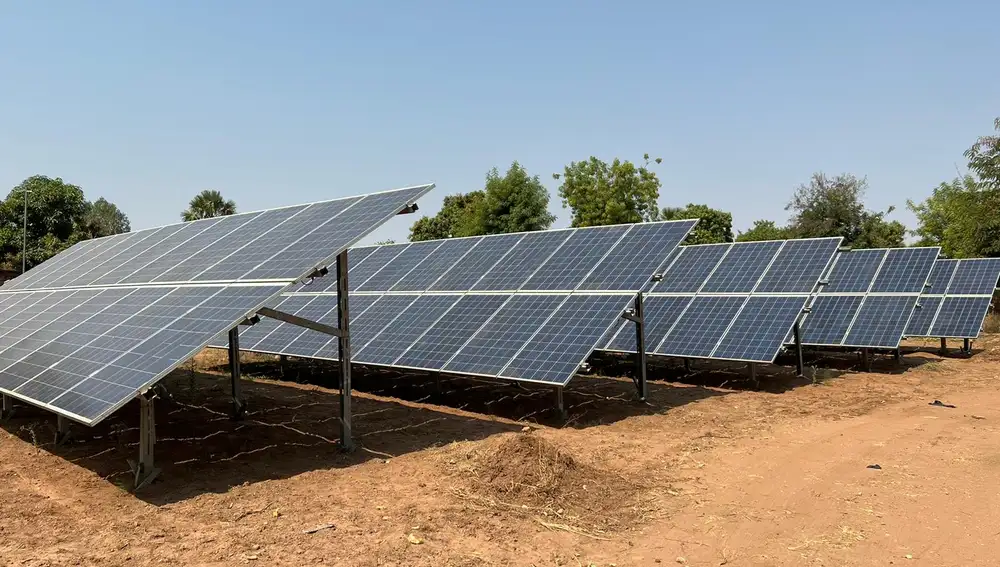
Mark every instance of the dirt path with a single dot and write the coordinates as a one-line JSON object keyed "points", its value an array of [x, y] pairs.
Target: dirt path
{"points": [[700, 474]]}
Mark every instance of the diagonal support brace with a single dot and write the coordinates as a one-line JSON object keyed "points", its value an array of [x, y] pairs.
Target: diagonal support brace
{"points": [[299, 321]]}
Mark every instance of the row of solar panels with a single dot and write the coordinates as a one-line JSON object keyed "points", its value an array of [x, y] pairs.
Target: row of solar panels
{"points": [[757, 291], [85, 331]]}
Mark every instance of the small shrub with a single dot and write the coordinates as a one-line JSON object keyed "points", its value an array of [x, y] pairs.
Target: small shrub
{"points": [[992, 323]]}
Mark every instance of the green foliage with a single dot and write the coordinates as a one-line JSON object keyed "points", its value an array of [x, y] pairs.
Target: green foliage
{"points": [[58, 216], [962, 217], [385, 242], [764, 230], [208, 204], [515, 202], [600, 194], [713, 226], [984, 159], [835, 207], [459, 216]]}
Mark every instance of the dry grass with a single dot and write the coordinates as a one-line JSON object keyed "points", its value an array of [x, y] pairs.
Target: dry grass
{"points": [[992, 323]]}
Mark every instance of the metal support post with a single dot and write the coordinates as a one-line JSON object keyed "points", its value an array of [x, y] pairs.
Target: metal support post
{"points": [[7, 409], [640, 349], [282, 363], [897, 356], [944, 345], [239, 405], [752, 367], [62, 430], [344, 348], [437, 384], [966, 346], [800, 369], [143, 468], [687, 365], [560, 405], [866, 360]]}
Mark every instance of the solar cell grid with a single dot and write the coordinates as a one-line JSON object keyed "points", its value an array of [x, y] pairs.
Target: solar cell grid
{"points": [[493, 346], [742, 267], [830, 318], [381, 313], [905, 270], [923, 316], [701, 326], [626, 268], [854, 271], [310, 342], [565, 341], [436, 265], [115, 255], [444, 338], [762, 323], [575, 259], [961, 317], [975, 277], [941, 275], [688, 272], [396, 269], [880, 322], [393, 341], [660, 313], [798, 266], [526, 257], [358, 274]]}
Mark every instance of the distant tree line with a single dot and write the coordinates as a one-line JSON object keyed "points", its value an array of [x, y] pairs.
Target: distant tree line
{"points": [[962, 215]]}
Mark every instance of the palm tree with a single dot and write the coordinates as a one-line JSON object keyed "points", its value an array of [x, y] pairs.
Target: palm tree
{"points": [[208, 204]]}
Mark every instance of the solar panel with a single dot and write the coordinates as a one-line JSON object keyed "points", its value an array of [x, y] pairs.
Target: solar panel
{"points": [[688, 272], [701, 327], [659, 312], [870, 297], [357, 275], [490, 305], [85, 352], [957, 300], [742, 267], [763, 323], [798, 266]]}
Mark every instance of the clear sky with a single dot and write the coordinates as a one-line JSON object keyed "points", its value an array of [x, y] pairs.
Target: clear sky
{"points": [[276, 103]]}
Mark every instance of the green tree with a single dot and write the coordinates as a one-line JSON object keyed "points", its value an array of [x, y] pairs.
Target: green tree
{"points": [[835, 207], [515, 202], [459, 216], [208, 204], [984, 159], [713, 226], [764, 230], [58, 216], [599, 193], [385, 242], [961, 217], [103, 218]]}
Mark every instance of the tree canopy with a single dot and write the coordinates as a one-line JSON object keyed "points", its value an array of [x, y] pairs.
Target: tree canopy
{"points": [[984, 159], [764, 230], [513, 202], [208, 204], [599, 193], [59, 216], [714, 226], [960, 216], [835, 207]]}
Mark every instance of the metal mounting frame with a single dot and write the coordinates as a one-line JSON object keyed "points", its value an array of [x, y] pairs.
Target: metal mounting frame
{"points": [[143, 469], [639, 375], [6, 407], [239, 403], [62, 429]]}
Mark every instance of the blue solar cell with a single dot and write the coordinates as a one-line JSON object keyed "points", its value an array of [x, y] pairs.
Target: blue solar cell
{"points": [[905, 270], [688, 272], [741, 268], [575, 259], [490, 349], [565, 341], [941, 276], [393, 341], [830, 318], [660, 313], [854, 271], [977, 276], [961, 317], [358, 274], [923, 316], [700, 328], [398, 268], [758, 332], [881, 321], [526, 257], [799, 266], [488, 252], [624, 269], [443, 339], [368, 324], [436, 265]]}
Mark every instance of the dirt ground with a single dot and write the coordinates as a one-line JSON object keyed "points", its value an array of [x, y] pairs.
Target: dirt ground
{"points": [[708, 471]]}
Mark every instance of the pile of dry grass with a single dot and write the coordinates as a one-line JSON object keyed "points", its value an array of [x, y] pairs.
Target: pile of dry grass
{"points": [[992, 323], [524, 473]]}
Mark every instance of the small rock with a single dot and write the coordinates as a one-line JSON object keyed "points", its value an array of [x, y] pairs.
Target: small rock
{"points": [[251, 558], [974, 416], [681, 560], [908, 556], [526, 429], [414, 539], [876, 467]]}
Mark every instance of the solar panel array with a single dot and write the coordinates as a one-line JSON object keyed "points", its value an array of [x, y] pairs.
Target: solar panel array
{"points": [[85, 331], [734, 301], [869, 297], [528, 307], [957, 299]]}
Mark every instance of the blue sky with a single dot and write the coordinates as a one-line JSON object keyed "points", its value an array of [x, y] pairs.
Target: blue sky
{"points": [[147, 103]]}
